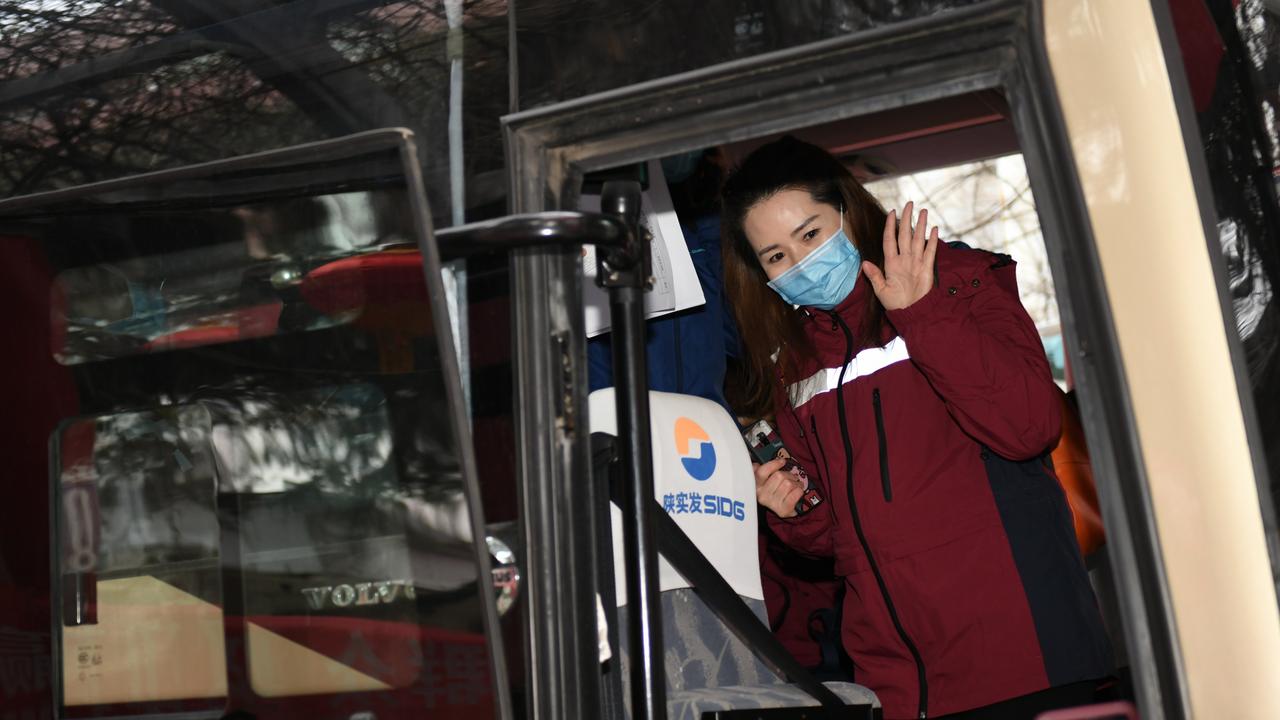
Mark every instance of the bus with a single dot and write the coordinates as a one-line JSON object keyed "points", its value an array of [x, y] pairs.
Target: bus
{"points": [[297, 426]]}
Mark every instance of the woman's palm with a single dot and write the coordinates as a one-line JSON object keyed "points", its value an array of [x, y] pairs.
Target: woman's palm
{"points": [[908, 261]]}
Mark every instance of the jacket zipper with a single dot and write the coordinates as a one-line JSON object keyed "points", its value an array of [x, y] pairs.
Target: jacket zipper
{"points": [[923, 705], [826, 474], [826, 468], [883, 442]]}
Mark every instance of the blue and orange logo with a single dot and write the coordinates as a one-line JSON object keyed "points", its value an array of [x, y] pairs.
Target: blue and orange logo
{"points": [[693, 444]]}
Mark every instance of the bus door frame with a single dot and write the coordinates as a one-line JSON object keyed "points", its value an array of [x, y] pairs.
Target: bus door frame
{"points": [[994, 45]]}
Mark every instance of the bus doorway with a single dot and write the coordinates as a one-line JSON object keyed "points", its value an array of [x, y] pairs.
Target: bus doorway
{"points": [[960, 159]]}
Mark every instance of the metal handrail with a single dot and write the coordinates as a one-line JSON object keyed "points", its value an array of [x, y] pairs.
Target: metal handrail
{"points": [[520, 231]]}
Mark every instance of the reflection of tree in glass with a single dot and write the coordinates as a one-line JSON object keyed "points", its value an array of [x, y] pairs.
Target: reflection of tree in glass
{"points": [[147, 115], [155, 487], [344, 451], [1238, 132], [270, 441], [105, 89], [570, 48], [339, 439]]}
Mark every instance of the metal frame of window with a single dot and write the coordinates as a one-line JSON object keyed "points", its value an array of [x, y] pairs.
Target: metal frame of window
{"points": [[994, 45]]}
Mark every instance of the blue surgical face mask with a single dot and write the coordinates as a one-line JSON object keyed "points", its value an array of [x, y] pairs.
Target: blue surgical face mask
{"points": [[825, 277]]}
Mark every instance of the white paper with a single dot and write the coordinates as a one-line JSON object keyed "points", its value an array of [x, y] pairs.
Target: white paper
{"points": [[675, 282], [602, 631]]}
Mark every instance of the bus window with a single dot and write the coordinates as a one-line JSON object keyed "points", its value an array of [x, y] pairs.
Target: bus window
{"points": [[558, 61], [1231, 58], [260, 505]]}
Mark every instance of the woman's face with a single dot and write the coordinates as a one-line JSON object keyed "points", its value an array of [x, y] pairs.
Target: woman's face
{"points": [[786, 227]]}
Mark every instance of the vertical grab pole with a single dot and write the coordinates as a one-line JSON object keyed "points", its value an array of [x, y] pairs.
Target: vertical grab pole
{"points": [[625, 272]]}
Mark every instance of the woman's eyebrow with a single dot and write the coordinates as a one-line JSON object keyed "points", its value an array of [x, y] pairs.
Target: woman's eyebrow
{"points": [[771, 248], [802, 225]]}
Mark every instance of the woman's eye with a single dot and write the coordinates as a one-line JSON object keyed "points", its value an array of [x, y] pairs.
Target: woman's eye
{"points": [[775, 257], [811, 235]]}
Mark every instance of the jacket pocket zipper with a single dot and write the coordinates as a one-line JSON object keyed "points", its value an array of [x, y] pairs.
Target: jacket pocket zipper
{"points": [[885, 484], [826, 469]]}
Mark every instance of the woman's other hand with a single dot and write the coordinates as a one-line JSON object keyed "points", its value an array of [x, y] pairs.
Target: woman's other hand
{"points": [[908, 260], [776, 489]]}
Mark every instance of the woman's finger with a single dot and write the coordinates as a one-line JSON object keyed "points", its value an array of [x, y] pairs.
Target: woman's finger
{"points": [[891, 234], [905, 228], [919, 234], [778, 486], [931, 249], [775, 484], [789, 500], [766, 493], [763, 471], [784, 493], [874, 275]]}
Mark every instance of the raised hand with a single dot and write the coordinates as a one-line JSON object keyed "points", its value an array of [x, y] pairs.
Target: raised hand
{"points": [[908, 260], [777, 489]]}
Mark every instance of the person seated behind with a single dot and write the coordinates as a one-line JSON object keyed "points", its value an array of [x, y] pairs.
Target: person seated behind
{"points": [[687, 351]]}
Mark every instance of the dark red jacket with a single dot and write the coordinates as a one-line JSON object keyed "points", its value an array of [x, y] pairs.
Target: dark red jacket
{"points": [[974, 590]]}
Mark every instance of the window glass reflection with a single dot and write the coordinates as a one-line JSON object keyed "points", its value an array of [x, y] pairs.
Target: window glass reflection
{"points": [[139, 573], [261, 506], [1231, 57], [259, 269]]}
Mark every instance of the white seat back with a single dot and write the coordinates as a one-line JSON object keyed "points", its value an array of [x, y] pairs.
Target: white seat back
{"points": [[703, 478]]}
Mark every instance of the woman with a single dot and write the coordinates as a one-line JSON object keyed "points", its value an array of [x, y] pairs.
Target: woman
{"points": [[910, 383]]}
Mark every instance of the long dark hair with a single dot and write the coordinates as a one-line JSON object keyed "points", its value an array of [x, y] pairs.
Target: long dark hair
{"points": [[770, 328]]}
